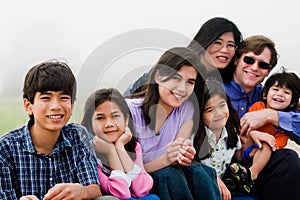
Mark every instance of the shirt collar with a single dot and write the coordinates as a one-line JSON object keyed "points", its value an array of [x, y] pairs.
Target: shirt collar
{"points": [[28, 146], [212, 136], [237, 91]]}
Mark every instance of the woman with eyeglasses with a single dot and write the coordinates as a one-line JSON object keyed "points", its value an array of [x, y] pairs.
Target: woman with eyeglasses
{"points": [[255, 59], [215, 43]]}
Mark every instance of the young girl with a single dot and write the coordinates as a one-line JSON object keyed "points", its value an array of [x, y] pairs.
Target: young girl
{"points": [[218, 141], [163, 120], [120, 165], [280, 93]]}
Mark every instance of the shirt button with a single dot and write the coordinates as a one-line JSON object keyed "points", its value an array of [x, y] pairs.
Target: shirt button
{"points": [[242, 108], [51, 179]]}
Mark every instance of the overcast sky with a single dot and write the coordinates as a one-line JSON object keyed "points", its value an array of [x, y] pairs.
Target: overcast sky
{"points": [[105, 41]]}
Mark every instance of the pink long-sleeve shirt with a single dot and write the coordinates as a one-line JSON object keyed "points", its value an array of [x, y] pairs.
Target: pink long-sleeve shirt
{"points": [[136, 183]]}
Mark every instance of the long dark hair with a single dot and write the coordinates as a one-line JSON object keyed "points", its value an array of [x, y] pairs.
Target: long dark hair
{"points": [[210, 31], [213, 88], [113, 95], [168, 65]]}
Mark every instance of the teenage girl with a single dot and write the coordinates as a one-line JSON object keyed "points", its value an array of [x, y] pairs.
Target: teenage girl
{"points": [[163, 119]]}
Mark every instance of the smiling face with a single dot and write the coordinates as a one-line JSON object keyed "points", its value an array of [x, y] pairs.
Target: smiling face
{"points": [[177, 89], [219, 53], [215, 114], [279, 98], [108, 121], [250, 75], [51, 111]]}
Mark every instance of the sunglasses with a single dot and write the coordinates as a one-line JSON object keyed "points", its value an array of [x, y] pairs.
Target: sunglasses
{"points": [[261, 64]]}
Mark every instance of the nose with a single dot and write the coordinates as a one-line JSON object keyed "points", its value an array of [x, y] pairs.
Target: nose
{"points": [[55, 104], [224, 48], [109, 123], [181, 87]]}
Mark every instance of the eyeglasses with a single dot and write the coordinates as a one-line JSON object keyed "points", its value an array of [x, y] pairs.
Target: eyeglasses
{"points": [[261, 64], [218, 45]]}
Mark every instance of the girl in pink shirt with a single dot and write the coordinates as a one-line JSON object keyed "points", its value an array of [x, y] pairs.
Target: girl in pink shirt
{"points": [[120, 163]]}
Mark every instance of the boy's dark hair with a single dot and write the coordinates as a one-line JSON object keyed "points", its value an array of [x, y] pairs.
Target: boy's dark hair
{"points": [[49, 76], [283, 79], [99, 97], [213, 88]]}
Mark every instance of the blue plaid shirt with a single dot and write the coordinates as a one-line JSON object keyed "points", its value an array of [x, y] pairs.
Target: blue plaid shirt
{"points": [[24, 171]]}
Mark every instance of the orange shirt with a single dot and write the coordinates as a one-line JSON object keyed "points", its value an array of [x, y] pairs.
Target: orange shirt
{"points": [[280, 136]]}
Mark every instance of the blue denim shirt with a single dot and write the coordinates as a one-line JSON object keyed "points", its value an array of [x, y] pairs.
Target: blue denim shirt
{"points": [[289, 122], [25, 171]]}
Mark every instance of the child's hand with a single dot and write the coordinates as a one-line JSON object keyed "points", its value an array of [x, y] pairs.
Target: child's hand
{"points": [[102, 146], [187, 153], [258, 137], [124, 138], [173, 150], [29, 197], [226, 195]]}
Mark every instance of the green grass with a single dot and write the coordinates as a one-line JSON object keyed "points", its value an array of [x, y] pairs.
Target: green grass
{"points": [[12, 114]]}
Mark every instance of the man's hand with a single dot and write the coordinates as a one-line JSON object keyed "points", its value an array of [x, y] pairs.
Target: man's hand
{"points": [[253, 120]]}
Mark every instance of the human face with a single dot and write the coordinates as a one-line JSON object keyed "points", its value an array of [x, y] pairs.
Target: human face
{"points": [[248, 76], [51, 111], [219, 53], [279, 98], [215, 114], [108, 121], [175, 91]]}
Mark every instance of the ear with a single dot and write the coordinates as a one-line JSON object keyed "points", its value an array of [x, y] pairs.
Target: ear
{"points": [[28, 107]]}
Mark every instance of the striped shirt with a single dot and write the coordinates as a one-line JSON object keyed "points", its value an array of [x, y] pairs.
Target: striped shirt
{"points": [[24, 171]]}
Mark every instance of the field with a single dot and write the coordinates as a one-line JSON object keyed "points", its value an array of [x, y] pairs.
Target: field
{"points": [[12, 114]]}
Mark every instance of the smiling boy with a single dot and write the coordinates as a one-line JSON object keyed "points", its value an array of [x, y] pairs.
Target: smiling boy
{"points": [[47, 159]]}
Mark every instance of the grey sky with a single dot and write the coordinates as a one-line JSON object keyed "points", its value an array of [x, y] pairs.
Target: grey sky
{"points": [[32, 31]]}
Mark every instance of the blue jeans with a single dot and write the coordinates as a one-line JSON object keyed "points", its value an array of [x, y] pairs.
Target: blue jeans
{"points": [[148, 197], [195, 181]]}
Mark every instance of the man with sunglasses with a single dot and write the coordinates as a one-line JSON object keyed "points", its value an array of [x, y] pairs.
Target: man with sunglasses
{"points": [[255, 59]]}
